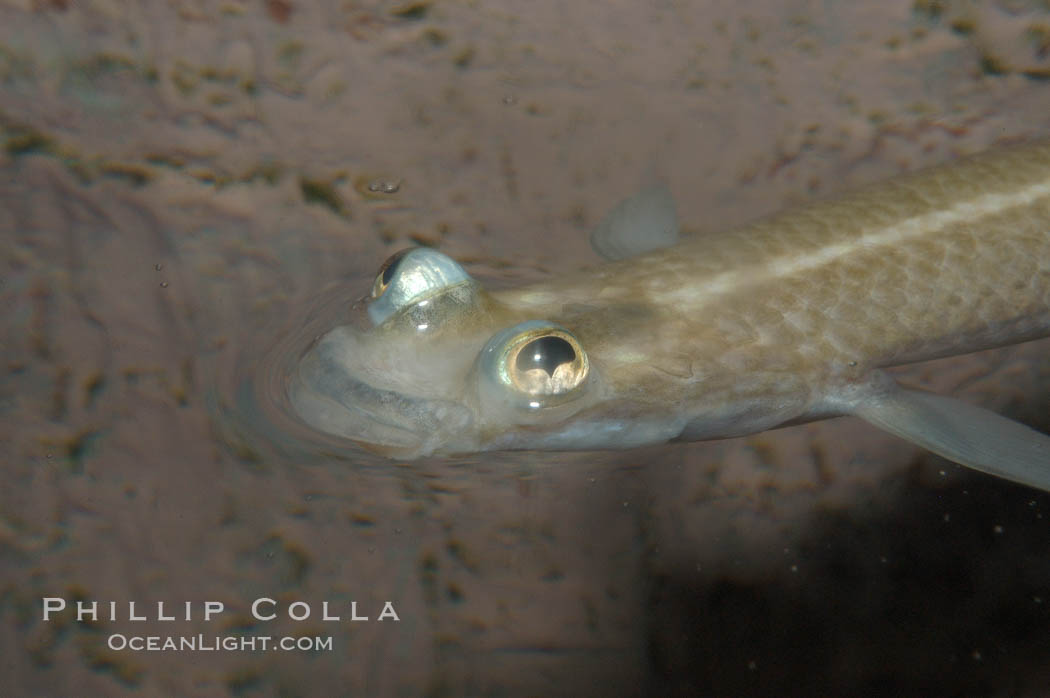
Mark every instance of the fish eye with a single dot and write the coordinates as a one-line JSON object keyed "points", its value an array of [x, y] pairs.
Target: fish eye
{"points": [[537, 361], [547, 365], [409, 277]]}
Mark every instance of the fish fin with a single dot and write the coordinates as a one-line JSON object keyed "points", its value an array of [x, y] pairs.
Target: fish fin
{"points": [[962, 433], [641, 223]]}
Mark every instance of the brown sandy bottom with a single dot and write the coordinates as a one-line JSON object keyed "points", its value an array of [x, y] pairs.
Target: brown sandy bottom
{"points": [[180, 180]]}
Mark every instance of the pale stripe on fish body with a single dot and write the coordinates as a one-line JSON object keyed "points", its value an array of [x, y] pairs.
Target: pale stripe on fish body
{"points": [[778, 322]]}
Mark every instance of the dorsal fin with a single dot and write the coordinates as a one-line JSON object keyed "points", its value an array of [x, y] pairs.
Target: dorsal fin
{"points": [[644, 222]]}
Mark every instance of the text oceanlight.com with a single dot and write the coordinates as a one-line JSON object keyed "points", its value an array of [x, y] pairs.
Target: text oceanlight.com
{"points": [[215, 643]]}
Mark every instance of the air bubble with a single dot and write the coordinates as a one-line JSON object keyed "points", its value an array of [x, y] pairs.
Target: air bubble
{"points": [[384, 186]]}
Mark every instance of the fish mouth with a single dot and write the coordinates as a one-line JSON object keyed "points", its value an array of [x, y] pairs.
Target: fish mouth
{"points": [[326, 393]]}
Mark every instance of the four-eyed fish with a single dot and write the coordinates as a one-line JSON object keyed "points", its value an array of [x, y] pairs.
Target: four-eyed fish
{"points": [[783, 321]]}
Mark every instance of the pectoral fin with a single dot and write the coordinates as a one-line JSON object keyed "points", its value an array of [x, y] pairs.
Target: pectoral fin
{"points": [[644, 222], [960, 432]]}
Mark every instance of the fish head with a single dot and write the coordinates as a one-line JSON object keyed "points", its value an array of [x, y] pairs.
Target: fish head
{"points": [[432, 364]]}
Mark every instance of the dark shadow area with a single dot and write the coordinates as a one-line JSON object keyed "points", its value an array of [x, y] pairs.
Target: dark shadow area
{"points": [[939, 592]]}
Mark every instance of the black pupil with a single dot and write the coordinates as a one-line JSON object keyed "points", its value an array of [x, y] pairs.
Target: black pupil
{"points": [[547, 353], [390, 266]]}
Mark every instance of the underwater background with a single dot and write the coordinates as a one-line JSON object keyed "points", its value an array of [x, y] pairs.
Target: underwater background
{"points": [[188, 190]]}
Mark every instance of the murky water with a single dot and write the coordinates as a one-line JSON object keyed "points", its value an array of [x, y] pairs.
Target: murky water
{"points": [[187, 200]]}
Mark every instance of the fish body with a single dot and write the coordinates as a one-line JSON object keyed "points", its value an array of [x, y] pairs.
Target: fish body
{"points": [[785, 320]]}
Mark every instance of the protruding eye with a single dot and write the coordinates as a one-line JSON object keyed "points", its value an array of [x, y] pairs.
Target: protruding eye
{"points": [[409, 277], [536, 361]]}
